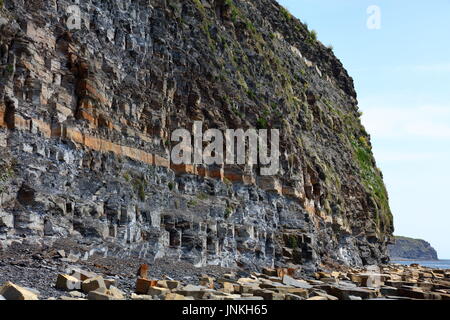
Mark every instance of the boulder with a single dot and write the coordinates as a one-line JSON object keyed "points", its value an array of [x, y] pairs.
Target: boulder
{"points": [[116, 293], [344, 293], [290, 296], [287, 280], [67, 283], [64, 298], [269, 294], [317, 298], [100, 294], [81, 274], [110, 282], [317, 293], [175, 296], [106, 294], [297, 291], [249, 288], [207, 281], [251, 298], [10, 291], [168, 284], [93, 284], [388, 291], [197, 292], [229, 287], [143, 285], [76, 294], [140, 297], [158, 292], [269, 272]]}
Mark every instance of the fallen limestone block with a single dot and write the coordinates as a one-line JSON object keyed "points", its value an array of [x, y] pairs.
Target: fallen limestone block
{"points": [[142, 285], [110, 282], [269, 294], [297, 291], [289, 281], [100, 295], [417, 293], [443, 296], [317, 298], [71, 298], [158, 292], [248, 281], [250, 288], [168, 284], [269, 272], [316, 293], [291, 297], [252, 298], [388, 291], [93, 284], [80, 274], [232, 276], [76, 294], [61, 253], [344, 293], [175, 296], [143, 271], [105, 294], [197, 292], [229, 287], [67, 283], [116, 293], [10, 291], [71, 258], [141, 297], [207, 282]]}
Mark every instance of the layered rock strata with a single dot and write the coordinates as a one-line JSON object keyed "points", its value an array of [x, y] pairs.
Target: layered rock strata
{"points": [[86, 117]]}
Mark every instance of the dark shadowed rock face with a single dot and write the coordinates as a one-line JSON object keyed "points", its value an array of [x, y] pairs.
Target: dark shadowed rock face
{"points": [[414, 249], [86, 118]]}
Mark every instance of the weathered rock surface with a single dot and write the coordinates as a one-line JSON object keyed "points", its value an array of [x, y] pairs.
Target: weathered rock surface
{"points": [[414, 249], [387, 282], [10, 291], [86, 117]]}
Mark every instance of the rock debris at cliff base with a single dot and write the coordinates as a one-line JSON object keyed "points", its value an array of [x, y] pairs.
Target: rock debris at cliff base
{"points": [[44, 273]]}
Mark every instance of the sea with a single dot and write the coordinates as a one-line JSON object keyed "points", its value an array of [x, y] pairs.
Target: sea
{"points": [[437, 264]]}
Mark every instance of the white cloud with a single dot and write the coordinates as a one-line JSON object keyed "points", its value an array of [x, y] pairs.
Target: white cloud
{"points": [[432, 122], [430, 68], [442, 67], [395, 156]]}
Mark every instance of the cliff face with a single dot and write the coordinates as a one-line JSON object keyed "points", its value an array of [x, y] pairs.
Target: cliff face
{"points": [[415, 249], [86, 117]]}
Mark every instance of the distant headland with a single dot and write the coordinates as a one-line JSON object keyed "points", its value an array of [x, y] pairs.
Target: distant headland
{"points": [[411, 249]]}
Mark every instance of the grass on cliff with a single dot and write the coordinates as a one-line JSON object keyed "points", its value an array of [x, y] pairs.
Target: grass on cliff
{"points": [[372, 179], [6, 172]]}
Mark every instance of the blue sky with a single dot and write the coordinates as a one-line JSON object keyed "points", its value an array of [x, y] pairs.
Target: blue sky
{"points": [[402, 77]]}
